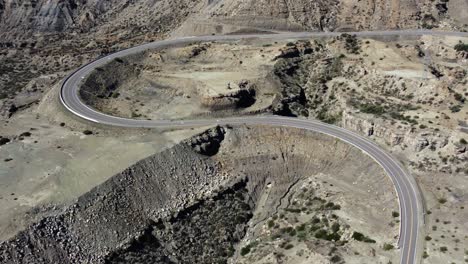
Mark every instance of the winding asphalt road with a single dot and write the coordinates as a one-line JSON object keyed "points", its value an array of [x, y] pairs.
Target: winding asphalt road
{"points": [[411, 210]]}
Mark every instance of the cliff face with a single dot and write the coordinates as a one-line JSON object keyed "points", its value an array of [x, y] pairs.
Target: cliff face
{"points": [[330, 14], [53, 16], [190, 204], [302, 14], [20, 16], [50, 15]]}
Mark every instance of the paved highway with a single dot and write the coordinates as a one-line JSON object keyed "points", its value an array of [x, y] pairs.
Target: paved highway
{"points": [[411, 211]]}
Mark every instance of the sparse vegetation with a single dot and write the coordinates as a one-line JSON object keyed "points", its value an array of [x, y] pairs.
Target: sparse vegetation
{"points": [[459, 97], [4, 141], [455, 108], [245, 250], [335, 259], [328, 118], [372, 109], [461, 47], [351, 43], [388, 247], [360, 237], [288, 246], [25, 134], [88, 132], [271, 223], [324, 235]]}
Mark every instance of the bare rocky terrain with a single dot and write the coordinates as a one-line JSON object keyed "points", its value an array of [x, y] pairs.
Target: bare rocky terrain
{"points": [[207, 198], [408, 94], [50, 37], [236, 195], [199, 80]]}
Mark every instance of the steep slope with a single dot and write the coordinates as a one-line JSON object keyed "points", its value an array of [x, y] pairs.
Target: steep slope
{"points": [[330, 15], [56, 16], [198, 201], [20, 16], [48, 36]]}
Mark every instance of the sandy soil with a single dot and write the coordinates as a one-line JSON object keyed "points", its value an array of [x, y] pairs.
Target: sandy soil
{"points": [[201, 79], [56, 164], [303, 165]]}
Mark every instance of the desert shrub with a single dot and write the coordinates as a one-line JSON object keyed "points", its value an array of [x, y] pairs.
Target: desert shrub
{"points": [[372, 109], [3, 141], [315, 220], [88, 132], [335, 68], [459, 97], [287, 229], [335, 259], [324, 235], [463, 141], [25, 134], [135, 115], [387, 247], [271, 223], [455, 108], [245, 250], [329, 205], [396, 115], [314, 228], [335, 227], [301, 228], [302, 235], [333, 237], [442, 200], [461, 47], [395, 214], [351, 43], [362, 238], [289, 246], [321, 234], [293, 210], [327, 118], [427, 26]]}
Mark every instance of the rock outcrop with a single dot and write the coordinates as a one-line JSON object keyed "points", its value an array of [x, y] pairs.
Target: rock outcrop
{"points": [[51, 16], [180, 206]]}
